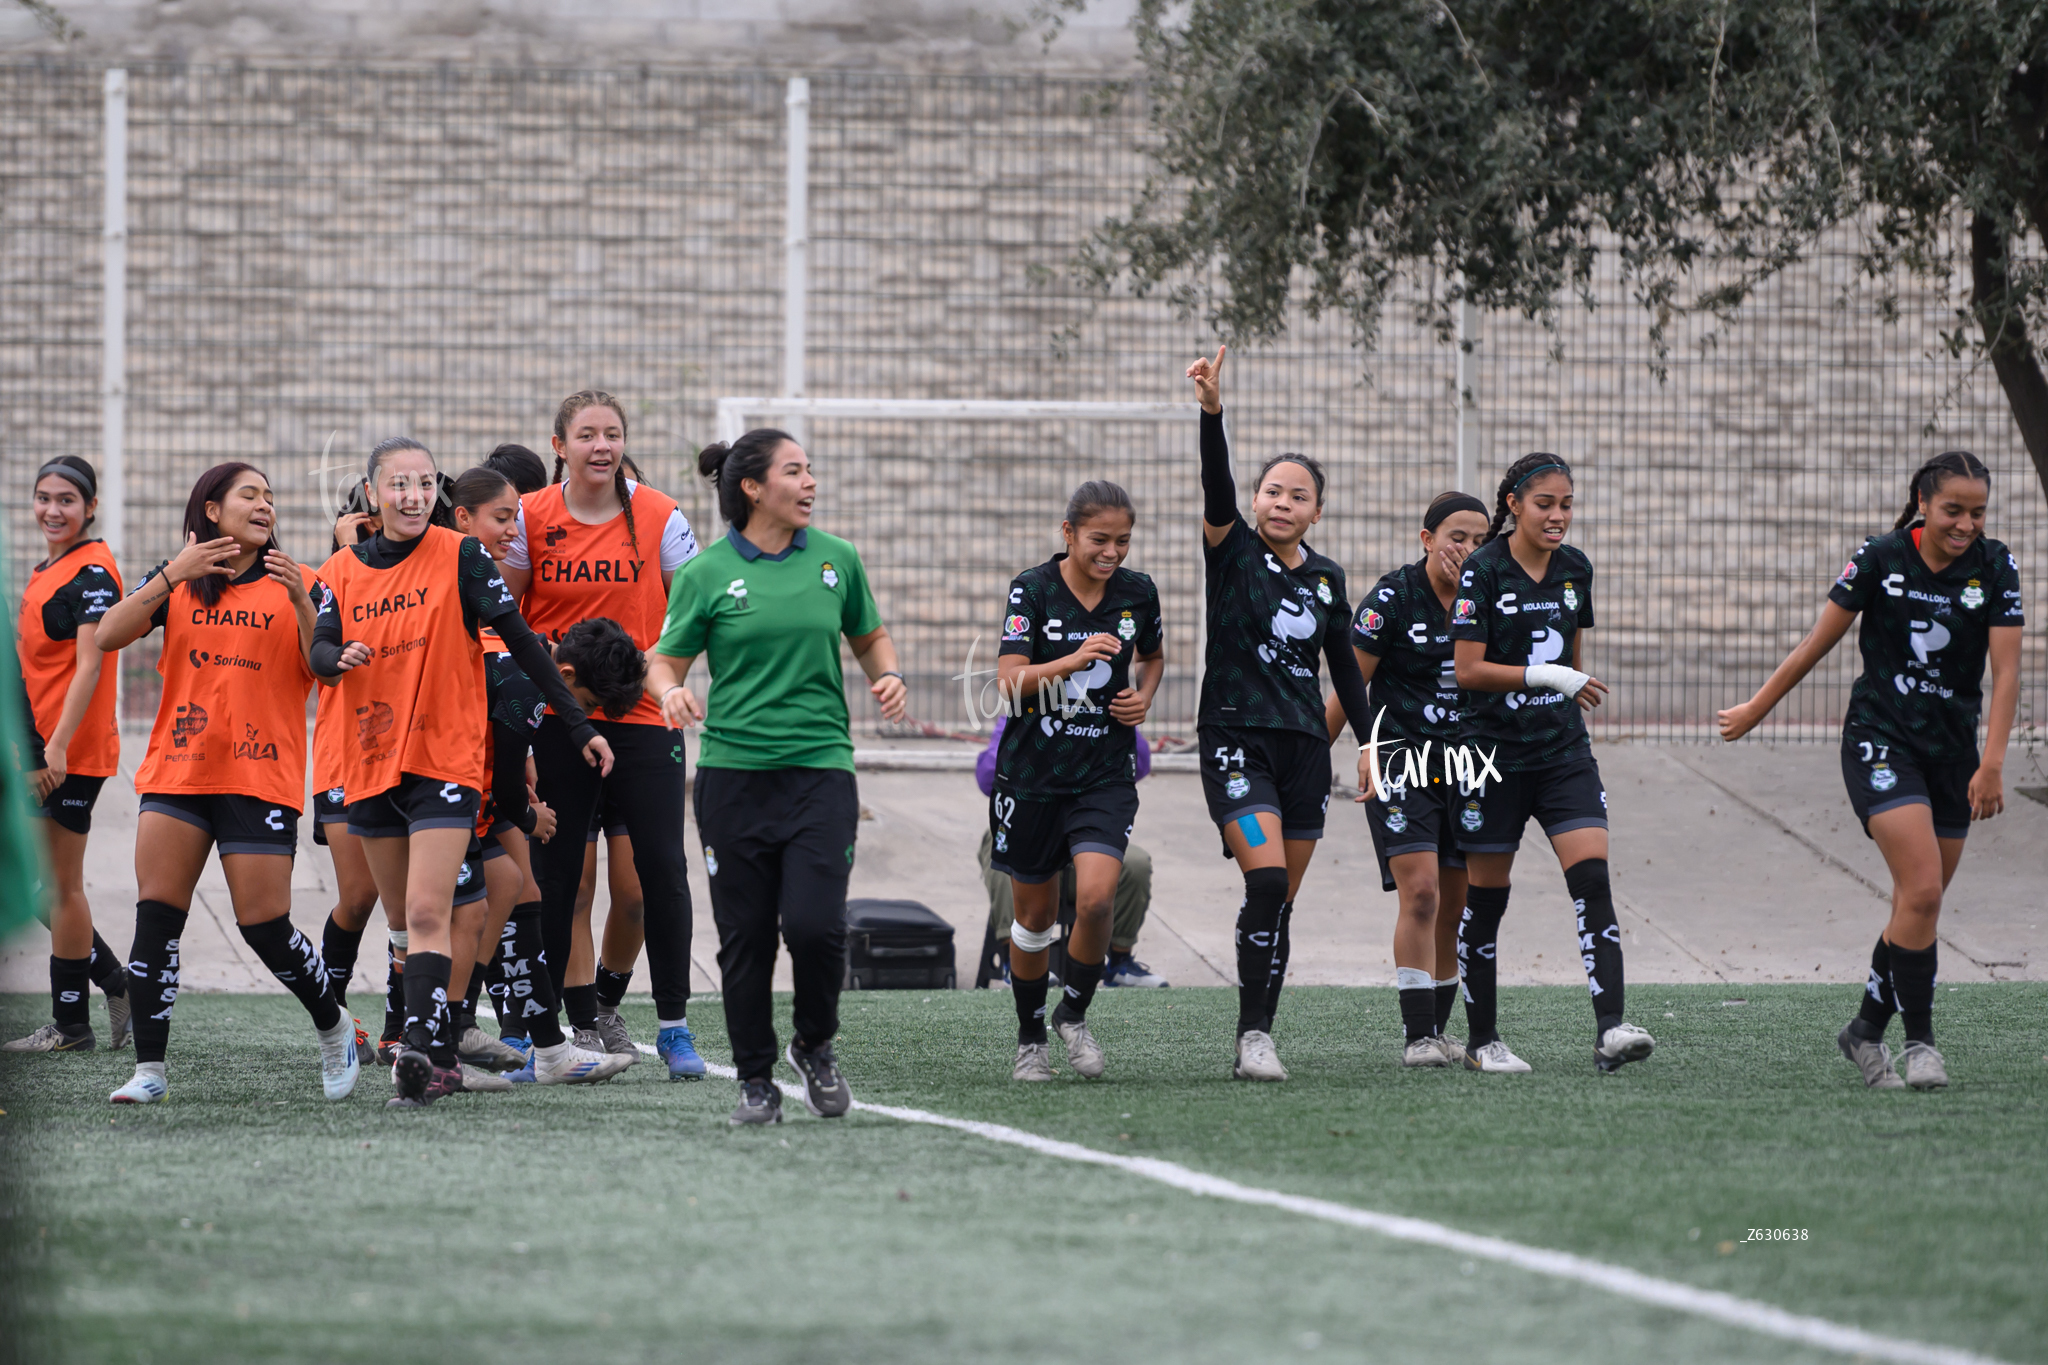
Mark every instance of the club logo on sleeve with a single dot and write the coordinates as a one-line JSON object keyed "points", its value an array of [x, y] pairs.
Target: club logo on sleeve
{"points": [[1237, 787], [1973, 595], [830, 576], [1848, 574], [1323, 591], [1397, 820], [1370, 621], [1466, 609], [1470, 818], [1126, 628], [1016, 627], [1882, 777], [1571, 597]]}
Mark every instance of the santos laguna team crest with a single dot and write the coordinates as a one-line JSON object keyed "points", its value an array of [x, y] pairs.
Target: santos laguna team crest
{"points": [[1470, 817], [829, 576]]}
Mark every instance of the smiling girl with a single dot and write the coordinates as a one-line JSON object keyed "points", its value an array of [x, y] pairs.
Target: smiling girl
{"points": [[1080, 661], [226, 766], [1937, 598], [73, 744]]}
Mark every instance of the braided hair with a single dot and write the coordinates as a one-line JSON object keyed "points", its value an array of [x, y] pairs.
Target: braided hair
{"points": [[1520, 472], [1928, 479], [598, 398]]}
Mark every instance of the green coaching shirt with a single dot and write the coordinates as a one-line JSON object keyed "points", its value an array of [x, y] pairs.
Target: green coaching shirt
{"points": [[769, 627]]}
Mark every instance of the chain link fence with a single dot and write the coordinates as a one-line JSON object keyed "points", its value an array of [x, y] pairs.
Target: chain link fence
{"points": [[318, 258]]}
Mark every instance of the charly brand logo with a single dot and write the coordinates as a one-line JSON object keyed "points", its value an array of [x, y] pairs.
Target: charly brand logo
{"points": [[737, 591]]}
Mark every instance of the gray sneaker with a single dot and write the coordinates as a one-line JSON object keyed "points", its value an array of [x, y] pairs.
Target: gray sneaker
{"points": [[760, 1102], [481, 1051], [825, 1092], [1874, 1060], [1923, 1066], [1084, 1054], [1034, 1063], [477, 1081], [120, 1031], [611, 1032], [1453, 1050], [1424, 1052], [51, 1038]]}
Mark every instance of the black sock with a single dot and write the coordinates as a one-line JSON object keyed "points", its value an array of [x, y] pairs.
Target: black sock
{"points": [[580, 1002], [1283, 949], [1876, 1014], [611, 987], [1599, 940], [339, 948], [1078, 989], [153, 976], [529, 990], [292, 960], [108, 972], [1258, 942], [1913, 973], [1029, 997], [426, 1007], [1478, 932], [1446, 997], [70, 987], [1418, 1003], [394, 994], [476, 988], [493, 973]]}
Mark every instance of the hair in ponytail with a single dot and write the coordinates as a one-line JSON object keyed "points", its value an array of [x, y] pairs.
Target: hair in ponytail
{"points": [[727, 466], [519, 466], [476, 486], [1095, 497], [598, 398], [1315, 469], [1520, 472], [1928, 479]]}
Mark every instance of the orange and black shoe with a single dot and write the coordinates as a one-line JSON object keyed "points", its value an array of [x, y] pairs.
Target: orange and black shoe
{"points": [[387, 1049]]}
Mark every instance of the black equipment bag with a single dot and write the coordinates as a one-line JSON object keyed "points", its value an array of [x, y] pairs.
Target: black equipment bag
{"points": [[897, 946]]}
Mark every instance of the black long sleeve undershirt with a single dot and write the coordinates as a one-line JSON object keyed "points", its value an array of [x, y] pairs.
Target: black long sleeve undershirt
{"points": [[508, 777], [1219, 485], [1345, 676]]}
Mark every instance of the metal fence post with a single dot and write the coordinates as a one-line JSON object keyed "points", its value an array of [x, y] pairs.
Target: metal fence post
{"points": [[114, 319], [1467, 382], [796, 241]]}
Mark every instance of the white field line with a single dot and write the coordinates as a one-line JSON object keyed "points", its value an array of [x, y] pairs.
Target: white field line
{"points": [[1747, 1314]]}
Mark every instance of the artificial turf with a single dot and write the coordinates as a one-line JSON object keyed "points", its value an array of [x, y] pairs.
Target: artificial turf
{"points": [[246, 1220]]}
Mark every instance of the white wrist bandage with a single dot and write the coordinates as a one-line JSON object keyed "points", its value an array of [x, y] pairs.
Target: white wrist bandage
{"points": [[1556, 677], [398, 940]]}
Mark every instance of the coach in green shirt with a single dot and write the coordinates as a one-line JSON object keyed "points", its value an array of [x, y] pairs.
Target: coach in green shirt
{"points": [[776, 804]]}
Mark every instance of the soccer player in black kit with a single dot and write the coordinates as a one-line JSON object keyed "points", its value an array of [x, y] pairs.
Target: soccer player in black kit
{"points": [[1937, 597], [1411, 788], [1274, 606], [1080, 660], [1524, 601]]}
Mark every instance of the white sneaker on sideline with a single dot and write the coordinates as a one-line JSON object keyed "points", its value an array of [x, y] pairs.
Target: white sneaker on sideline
{"points": [[1256, 1058], [1495, 1057]]}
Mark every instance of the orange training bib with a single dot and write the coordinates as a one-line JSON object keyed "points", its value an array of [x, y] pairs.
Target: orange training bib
{"points": [[580, 571]]}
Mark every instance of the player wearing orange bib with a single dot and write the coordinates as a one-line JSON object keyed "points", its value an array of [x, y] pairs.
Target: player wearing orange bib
{"points": [[71, 746], [226, 764], [600, 544], [398, 634]]}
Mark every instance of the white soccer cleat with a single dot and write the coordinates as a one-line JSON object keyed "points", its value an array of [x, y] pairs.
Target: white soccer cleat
{"points": [[340, 1064], [1923, 1067], [1453, 1050], [1495, 1057], [1623, 1043], [1424, 1052], [567, 1064], [1873, 1059], [477, 1081], [1256, 1059], [1034, 1063], [1084, 1054], [146, 1086]]}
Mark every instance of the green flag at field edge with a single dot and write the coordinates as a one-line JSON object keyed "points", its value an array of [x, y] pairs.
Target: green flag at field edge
{"points": [[21, 852]]}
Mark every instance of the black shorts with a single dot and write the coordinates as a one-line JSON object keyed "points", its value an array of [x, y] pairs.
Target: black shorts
{"points": [[416, 803], [606, 818], [328, 809], [238, 824], [1562, 797], [71, 801], [1035, 837], [469, 882], [1417, 820], [1281, 772], [1883, 776]]}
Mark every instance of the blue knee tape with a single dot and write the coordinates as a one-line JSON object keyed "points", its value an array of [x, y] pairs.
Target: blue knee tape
{"points": [[1248, 826]]}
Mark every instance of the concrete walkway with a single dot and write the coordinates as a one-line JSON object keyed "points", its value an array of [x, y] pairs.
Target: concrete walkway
{"points": [[1738, 864]]}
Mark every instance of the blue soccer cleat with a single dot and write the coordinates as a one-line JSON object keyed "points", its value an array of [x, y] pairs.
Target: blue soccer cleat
{"points": [[679, 1049]]}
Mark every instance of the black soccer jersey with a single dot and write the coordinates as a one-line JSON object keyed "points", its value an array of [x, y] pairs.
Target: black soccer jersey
{"points": [[1524, 622], [515, 702], [1065, 741], [1401, 623], [1924, 638], [1268, 627]]}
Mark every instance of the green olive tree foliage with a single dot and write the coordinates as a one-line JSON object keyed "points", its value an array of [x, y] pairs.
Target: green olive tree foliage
{"points": [[1497, 147]]}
